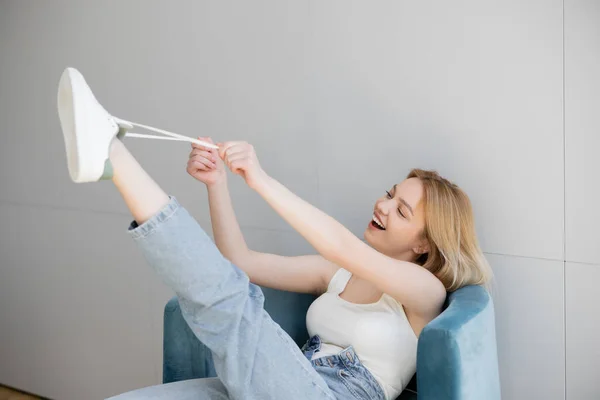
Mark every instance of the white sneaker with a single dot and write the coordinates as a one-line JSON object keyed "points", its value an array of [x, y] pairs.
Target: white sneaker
{"points": [[89, 130], [87, 127]]}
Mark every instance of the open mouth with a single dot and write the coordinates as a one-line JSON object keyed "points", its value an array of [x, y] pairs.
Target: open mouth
{"points": [[376, 223]]}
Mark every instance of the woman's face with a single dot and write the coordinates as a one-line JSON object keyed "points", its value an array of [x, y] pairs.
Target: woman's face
{"points": [[398, 222]]}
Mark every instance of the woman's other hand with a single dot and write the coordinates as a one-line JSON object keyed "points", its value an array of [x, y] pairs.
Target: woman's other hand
{"points": [[241, 159]]}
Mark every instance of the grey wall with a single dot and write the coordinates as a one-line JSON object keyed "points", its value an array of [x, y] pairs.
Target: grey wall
{"points": [[341, 99]]}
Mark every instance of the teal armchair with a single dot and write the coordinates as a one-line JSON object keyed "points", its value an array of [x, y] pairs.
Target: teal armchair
{"points": [[456, 355]]}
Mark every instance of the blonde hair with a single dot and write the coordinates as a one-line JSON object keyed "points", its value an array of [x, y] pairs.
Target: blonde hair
{"points": [[454, 255]]}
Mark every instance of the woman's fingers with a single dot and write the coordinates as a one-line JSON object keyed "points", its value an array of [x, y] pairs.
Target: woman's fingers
{"points": [[194, 166], [240, 158], [237, 161], [229, 148], [203, 153], [204, 139], [197, 158], [233, 150], [198, 166], [214, 153], [241, 164], [237, 156]]}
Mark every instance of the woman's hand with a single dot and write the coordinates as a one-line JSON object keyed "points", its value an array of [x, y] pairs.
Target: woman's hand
{"points": [[205, 165], [241, 159]]}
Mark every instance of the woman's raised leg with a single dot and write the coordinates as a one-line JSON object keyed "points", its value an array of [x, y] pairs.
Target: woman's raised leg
{"points": [[254, 358], [141, 193]]}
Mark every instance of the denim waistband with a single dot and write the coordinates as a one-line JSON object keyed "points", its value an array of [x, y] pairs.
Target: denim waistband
{"points": [[344, 370], [345, 358]]}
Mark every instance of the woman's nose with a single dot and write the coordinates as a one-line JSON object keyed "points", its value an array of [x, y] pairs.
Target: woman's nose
{"points": [[385, 206]]}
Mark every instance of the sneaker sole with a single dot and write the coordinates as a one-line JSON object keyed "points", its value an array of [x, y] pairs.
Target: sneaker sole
{"points": [[88, 129]]}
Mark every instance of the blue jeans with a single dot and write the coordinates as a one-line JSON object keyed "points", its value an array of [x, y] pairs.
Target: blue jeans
{"points": [[344, 369], [253, 357]]}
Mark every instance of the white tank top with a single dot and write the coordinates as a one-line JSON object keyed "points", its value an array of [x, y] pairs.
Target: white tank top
{"points": [[379, 333]]}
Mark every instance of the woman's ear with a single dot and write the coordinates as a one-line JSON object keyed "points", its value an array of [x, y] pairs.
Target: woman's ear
{"points": [[422, 248]]}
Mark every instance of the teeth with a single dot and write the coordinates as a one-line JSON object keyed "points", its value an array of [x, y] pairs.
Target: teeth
{"points": [[377, 221]]}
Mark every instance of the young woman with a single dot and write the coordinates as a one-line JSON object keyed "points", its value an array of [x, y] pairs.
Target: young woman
{"points": [[375, 297]]}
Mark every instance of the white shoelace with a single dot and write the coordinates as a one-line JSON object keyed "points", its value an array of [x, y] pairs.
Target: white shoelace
{"points": [[168, 135]]}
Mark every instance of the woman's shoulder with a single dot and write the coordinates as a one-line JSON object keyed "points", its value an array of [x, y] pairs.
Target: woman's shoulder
{"points": [[339, 279]]}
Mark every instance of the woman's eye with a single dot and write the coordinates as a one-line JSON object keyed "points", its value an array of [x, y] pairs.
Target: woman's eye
{"points": [[389, 195], [401, 213]]}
